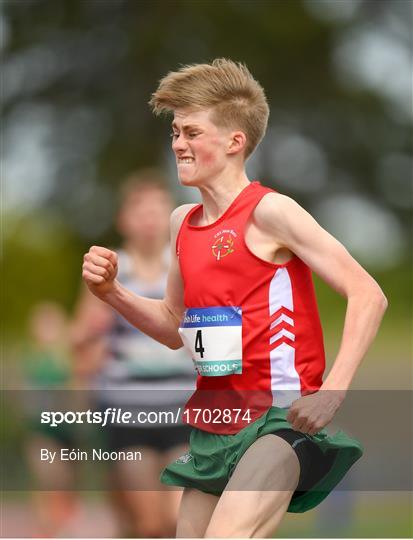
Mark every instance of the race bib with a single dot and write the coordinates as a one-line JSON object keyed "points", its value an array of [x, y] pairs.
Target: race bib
{"points": [[213, 336]]}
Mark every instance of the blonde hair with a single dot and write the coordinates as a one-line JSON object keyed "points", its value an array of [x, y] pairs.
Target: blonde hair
{"points": [[237, 99]]}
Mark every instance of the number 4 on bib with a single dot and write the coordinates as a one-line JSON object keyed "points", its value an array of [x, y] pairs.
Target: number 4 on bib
{"points": [[198, 343], [213, 337]]}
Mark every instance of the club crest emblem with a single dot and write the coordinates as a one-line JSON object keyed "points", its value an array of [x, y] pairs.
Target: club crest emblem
{"points": [[223, 244]]}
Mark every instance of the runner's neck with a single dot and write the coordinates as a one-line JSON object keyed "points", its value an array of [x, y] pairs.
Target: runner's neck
{"points": [[218, 197]]}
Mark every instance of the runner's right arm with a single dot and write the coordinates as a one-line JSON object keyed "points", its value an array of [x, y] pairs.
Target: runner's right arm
{"points": [[159, 319]]}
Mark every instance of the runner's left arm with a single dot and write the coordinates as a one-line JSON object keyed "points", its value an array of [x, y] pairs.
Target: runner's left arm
{"points": [[295, 229]]}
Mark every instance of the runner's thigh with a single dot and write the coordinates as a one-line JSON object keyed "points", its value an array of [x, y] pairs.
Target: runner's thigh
{"points": [[259, 491], [195, 513]]}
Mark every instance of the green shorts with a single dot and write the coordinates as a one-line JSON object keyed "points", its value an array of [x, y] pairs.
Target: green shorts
{"points": [[212, 459]]}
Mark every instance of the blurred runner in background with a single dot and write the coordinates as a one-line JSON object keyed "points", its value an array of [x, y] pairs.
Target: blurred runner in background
{"points": [[133, 371], [46, 367]]}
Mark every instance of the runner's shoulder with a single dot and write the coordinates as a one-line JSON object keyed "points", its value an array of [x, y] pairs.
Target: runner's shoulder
{"points": [[179, 214], [274, 209]]}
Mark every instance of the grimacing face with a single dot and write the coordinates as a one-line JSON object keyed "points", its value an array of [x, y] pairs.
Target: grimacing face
{"points": [[199, 145], [144, 215]]}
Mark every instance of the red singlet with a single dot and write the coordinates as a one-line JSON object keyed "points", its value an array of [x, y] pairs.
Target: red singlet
{"points": [[252, 327]]}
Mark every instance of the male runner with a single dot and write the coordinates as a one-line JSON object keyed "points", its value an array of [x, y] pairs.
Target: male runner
{"points": [[240, 297]]}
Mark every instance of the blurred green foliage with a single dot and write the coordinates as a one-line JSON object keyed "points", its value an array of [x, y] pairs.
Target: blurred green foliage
{"points": [[86, 69]]}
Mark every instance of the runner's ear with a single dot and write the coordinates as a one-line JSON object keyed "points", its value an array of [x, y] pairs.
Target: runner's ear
{"points": [[237, 142]]}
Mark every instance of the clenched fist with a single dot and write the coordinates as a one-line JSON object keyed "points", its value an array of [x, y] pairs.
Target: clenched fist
{"points": [[100, 267], [311, 413]]}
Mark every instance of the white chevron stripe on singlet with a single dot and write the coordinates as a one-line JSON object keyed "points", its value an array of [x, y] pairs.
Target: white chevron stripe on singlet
{"points": [[280, 319], [281, 294], [285, 381], [280, 334]]}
